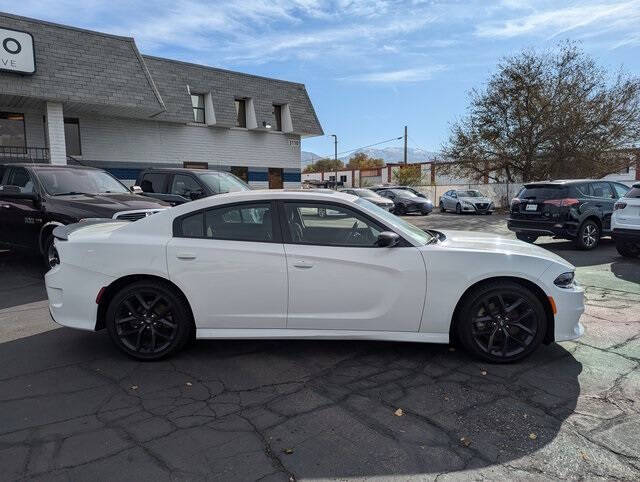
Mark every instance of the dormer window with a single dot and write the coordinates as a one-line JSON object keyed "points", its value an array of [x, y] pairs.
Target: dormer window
{"points": [[197, 102], [277, 117], [241, 113]]}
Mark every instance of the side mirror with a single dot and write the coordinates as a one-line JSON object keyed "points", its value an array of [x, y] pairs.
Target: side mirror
{"points": [[14, 192], [136, 189], [196, 195], [387, 239]]}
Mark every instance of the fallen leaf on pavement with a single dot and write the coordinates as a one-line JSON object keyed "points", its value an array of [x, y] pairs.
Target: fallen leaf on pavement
{"points": [[288, 451], [466, 441], [134, 387], [398, 413], [533, 436]]}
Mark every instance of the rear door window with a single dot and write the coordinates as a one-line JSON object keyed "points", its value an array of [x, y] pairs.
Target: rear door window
{"points": [[601, 190], [154, 182]]}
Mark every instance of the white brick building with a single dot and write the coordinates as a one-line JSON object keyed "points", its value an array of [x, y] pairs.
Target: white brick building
{"points": [[93, 98]]}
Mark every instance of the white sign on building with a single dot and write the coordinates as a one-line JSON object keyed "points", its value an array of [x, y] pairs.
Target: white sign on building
{"points": [[16, 52]]}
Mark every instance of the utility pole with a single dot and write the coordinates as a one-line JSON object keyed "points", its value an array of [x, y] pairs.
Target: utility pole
{"points": [[335, 157], [405, 144]]}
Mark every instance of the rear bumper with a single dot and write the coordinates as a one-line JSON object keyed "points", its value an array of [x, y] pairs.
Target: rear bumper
{"points": [[632, 235], [543, 227]]}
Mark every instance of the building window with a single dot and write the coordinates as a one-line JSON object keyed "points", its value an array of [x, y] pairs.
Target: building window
{"points": [[241, 113], [241, 172], [277, 117], [343, 178], [72, 136], [197, 102], [12, 132], [195, 165]]}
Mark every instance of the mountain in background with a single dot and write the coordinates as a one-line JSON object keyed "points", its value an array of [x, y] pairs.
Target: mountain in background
{"points": [[388, 154]]}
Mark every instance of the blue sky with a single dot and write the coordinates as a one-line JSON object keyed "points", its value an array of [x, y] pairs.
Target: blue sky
{"points": [[370, 66]]}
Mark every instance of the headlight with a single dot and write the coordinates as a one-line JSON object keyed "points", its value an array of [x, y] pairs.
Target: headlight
{"points": [[467, 203], [565, 280]]}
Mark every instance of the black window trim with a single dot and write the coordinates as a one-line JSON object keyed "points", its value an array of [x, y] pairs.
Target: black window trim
{"points": [[204, 114], [286, 235], [275, 221]]}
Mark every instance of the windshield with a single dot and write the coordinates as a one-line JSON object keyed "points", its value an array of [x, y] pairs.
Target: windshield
{"points": [[404, 194], [418, 235], [469, 194], [365, 193], [221, 182], [79, 181]]}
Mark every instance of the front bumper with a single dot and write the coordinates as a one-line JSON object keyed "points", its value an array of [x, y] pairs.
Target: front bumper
{"points": [[570, 307], [419, 208], [543, 227]]}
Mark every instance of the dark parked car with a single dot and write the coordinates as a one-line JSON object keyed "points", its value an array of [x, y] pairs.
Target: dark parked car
{"points": [[404, 188], [178, 186], [35, 198], [576, 210], [406, 202]]}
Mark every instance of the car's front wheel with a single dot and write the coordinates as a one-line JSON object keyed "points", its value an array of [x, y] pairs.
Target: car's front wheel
{"points": [[628, 249], [148, 320], [529, 238], [442, 209], [50, 255], [501, 322]]}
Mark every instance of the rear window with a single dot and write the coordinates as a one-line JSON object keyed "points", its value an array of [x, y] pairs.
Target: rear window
{"points": [[538, 192], [153, 182], [634, 193]]}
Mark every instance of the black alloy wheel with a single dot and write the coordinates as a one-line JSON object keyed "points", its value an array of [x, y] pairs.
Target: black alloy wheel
{"points": [[148, 321], [588, 235], [458, 209], [502, 322], [50, 253]]}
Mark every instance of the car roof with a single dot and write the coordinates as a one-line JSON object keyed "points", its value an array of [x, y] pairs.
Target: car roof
{"points": [[47, 166], [562, 182], [182, 169]]}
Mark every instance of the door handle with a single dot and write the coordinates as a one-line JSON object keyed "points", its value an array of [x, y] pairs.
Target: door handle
{"points": [[302, 265], [186, 256]]}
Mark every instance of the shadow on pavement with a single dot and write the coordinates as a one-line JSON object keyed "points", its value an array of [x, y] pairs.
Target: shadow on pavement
{"points": [[21, 279], [74, 407], [579, 258], [627, 269]]}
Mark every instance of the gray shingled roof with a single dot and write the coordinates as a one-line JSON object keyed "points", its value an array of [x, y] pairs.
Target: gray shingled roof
{"points": [[96, 72], [172, 78], [84, 68]]}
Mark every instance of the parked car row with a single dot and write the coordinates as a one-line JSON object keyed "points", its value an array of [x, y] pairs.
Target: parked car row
{"points": [[36, 198]]}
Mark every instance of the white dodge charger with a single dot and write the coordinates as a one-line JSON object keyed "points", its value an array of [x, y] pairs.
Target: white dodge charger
{"points": [[295, 264]]}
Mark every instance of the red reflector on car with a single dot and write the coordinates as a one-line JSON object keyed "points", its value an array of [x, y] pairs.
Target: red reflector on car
{"points": [[562, 202], [100, 293]]}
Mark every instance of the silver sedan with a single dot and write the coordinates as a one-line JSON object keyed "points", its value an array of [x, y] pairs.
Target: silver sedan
{"points": [[466, 201]]}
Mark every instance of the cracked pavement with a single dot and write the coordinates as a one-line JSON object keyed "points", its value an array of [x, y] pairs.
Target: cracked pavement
{"points": [[74, 408]]}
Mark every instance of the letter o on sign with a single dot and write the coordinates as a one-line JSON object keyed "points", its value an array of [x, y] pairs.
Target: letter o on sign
{"points": [[12, 46]]}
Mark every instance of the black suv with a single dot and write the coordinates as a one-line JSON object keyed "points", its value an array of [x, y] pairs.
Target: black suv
{"points": [[35, 198], [178, 186], [576, 210]]}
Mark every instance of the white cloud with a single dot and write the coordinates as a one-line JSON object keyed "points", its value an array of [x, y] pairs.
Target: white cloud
{"points": [[397, 76], [598, 17]]}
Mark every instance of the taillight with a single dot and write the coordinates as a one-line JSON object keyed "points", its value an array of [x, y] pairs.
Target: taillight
{"points": [[619, 205], [562, 202]]}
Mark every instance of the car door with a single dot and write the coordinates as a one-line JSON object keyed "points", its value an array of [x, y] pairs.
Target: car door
{"points": [[603, 200], [230, 263], [21, 217], [340, 280]]}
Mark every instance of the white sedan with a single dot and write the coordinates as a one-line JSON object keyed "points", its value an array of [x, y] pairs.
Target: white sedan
{"points": [[267, 264]]}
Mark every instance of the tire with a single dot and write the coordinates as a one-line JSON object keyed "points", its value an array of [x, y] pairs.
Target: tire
{"points": [[441, 206], [400, 210], [50, 256], [628, 249], [588, 235], [513, 327], [156, 329], [529, 238], [458, 209]]}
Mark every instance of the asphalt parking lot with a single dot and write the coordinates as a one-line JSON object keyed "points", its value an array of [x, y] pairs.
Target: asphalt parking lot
{"points": [[72, 407]]}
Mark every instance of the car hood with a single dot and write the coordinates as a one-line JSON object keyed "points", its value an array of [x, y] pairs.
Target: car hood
{"points": [[107, 205], [474, 200], [486, 242]]}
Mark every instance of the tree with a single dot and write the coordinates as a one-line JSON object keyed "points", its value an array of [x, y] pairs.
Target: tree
{"points": [[361, 161], [408, 175], [324, 165], [544, 116]]}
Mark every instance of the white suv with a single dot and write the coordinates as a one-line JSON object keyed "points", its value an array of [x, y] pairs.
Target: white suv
{"points": [[625, 223]]}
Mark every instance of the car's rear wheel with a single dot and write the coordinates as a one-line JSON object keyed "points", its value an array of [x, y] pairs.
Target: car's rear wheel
{"points": [[441, 206], [148, 320], [588, 235], [529, 238], [458, 209], [501, 322], [628, 249]]}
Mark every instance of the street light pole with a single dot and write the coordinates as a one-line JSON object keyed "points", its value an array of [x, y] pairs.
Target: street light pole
{"points": [[335, 157]]}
